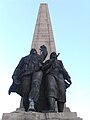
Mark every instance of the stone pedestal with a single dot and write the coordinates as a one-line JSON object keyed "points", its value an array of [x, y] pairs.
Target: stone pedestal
{"points": [[22, 115]]}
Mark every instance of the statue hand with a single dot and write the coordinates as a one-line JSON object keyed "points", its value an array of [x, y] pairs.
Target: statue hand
{"points": [[68, 83], [69, 80]]}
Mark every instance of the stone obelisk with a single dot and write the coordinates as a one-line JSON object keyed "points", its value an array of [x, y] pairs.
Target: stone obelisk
{"points": [[43, 35]]}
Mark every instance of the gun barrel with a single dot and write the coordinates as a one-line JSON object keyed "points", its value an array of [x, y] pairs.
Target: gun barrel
{"points": [[58, 54]]}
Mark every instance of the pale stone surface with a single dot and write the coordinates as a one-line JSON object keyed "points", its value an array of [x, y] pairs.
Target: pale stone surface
{"points": [[21, 115], [43, 33]]}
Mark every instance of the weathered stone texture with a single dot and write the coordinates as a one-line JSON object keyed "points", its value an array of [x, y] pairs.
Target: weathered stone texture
{"points": [[43, 33], [22, 115]]}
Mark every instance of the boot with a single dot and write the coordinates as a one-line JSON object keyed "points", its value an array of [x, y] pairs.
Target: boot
{"points": [[51, 103], [31, 105]]}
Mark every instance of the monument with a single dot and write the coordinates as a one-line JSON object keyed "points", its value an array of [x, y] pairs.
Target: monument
{"points": [[43, 35]]}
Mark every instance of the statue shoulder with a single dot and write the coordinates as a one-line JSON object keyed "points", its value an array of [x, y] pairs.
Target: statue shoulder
{"points": [[25, 58], [60, 61]]}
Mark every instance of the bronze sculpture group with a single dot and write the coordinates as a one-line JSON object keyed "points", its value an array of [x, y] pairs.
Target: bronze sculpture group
{"points": [[39, 83]]}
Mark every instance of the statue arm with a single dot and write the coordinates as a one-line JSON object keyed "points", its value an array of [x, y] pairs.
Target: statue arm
{"points": [[65, 73], [46, 65]]}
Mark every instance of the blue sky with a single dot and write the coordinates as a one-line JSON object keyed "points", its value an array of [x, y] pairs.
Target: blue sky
{"points": [[71, 27]]}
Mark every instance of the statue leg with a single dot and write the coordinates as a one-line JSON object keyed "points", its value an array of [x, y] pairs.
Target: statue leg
{"points": [[51, 104], [25, 86], [60, 106], [35, 87]]}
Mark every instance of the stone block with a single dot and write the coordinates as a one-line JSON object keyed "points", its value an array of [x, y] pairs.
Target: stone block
{"points": [[22, 115]]}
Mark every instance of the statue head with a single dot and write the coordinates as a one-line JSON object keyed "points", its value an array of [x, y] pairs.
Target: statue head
{"points": [[53, 55], [43, 48], [33, 51]]}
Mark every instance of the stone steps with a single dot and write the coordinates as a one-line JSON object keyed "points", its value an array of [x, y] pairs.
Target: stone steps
{"points": [[22, 115]]}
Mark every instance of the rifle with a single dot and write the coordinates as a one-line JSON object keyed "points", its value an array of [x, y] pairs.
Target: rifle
{"points": [[57, 55]]}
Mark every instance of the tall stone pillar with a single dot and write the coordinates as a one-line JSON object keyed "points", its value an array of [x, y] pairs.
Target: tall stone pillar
{"points": [[43, 33]]}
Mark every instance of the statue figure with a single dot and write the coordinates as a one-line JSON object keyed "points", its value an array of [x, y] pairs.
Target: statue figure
{"points": [[57, 80], [27, 77]]}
